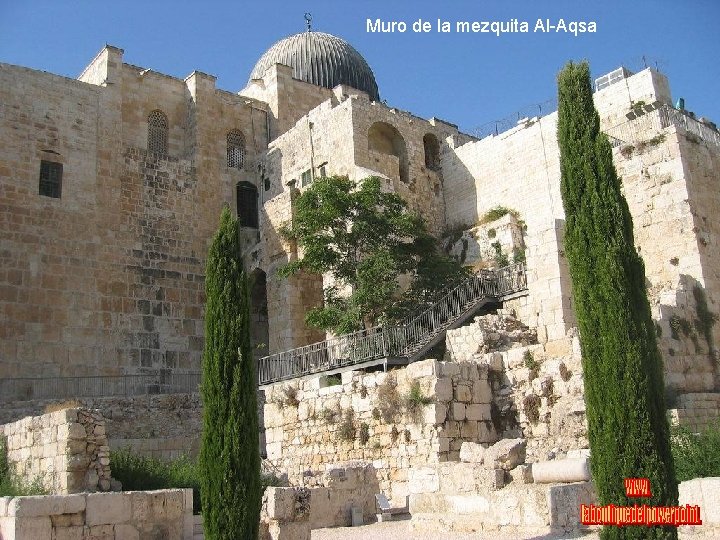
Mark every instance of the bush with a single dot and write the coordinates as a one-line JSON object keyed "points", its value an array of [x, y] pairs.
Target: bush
{"points": [[415, 400], [696, 455], [142, 473], [10, 487]]}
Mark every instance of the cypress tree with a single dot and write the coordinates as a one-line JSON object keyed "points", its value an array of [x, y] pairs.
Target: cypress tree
{"points": [[229, 455], [624, 389]]}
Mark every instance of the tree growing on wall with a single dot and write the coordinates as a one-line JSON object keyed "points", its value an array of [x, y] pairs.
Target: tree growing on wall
{"points": [[624, 390], [365, 239], [229, 455]]}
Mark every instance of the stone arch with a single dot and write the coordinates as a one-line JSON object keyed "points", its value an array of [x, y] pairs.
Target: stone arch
{"points": [[259, 327], [432, 152], [386, 139]]}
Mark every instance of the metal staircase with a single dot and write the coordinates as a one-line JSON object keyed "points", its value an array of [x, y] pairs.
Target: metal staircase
{"points": [[400, 344]]}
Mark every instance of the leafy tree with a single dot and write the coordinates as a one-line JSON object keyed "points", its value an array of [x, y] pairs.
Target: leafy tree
{"points": [[365, 239], [229, 455], [622, 366]]}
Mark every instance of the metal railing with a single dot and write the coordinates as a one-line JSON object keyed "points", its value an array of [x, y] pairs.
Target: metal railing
{"points": [[402, 341], [638, 130], [31, 388]]}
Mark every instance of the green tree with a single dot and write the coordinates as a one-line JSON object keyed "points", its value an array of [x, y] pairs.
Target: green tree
{"points": [[365, 238], [229, 456], [624, 390]]}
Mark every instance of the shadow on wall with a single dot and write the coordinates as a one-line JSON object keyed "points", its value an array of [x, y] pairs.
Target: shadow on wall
{"points": [[685, 331]]}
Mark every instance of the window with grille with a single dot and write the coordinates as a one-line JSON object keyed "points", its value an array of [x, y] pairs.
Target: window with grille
{"points": [[157, 132], [235, 149], [50, 179], [306, 178], [247, 204]]}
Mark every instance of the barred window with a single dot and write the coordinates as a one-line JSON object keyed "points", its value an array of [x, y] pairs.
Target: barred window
{"points": [[50, 179], [157, 132], [247, 204], [306, 178], [235, 149]]}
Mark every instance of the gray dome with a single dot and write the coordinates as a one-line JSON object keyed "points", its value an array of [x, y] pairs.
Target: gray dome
{"points": [[320, 59]]}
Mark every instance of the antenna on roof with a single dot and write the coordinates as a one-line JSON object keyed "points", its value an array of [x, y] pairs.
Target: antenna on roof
{"points": [[308, 21]]}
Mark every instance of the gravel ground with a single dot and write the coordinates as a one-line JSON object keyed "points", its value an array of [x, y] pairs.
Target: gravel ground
{"points": [[401, 530]]}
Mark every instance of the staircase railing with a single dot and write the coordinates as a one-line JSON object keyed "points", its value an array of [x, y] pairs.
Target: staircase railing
{"points": [[402, 341]]}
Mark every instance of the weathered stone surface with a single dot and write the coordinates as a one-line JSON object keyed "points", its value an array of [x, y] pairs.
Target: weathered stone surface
{"points": [[104, 508], [505, 454], [472, 452]]}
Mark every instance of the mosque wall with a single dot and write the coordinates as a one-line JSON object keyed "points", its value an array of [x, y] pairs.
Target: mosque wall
{"points": [[108, 278]]}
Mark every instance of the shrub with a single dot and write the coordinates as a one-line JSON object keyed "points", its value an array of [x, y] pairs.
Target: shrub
{"points": [[415, 400], [696, 455], [496, 213], [147, 473], [11, 487], [346, 430], [388, 399], [364, 433]]}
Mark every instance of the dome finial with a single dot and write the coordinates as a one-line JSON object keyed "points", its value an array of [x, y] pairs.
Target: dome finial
{"points": [[308, 21]]}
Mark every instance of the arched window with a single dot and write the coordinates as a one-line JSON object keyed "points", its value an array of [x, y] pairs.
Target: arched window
{"points": [[235, 149], [432, 152], [247, 204], [157, 132], [386, 139]]}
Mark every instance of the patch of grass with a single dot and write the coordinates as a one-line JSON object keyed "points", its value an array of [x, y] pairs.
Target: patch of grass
{"points": [[530, 362], [531, 408], [142, 473], [496, 213], [415, 400], [696, 455]]}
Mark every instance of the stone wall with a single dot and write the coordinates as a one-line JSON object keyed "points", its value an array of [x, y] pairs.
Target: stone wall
{"points": [[163, 514], [163, 426], [537, 389], [696, 411], [412, 416], [64, 452]]}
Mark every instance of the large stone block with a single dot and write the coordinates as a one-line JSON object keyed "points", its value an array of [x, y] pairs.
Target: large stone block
{"points": [[32, 528], [505, 454], [472, 452], [107, 508], [424, 480], [46, 505]]}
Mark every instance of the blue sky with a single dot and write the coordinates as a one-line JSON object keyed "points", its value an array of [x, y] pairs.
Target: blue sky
{"points": [[468, 79]]}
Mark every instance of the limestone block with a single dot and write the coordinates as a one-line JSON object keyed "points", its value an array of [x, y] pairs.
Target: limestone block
{"points": [[486, 432], [126, 531], [578, 453], [565, 501], [76, 431], [710, 511], [481, 392], [424, 368], [32, 528], [522, 474], [494, 361], [46, 505], [468, 504], [106, 508], [463, 393], [561, 470], [424, 480], [443, 389], [458, 411], [478, 412], [505, 454], [76, 533], [279, 503], [472, 452], [434, 413], [289, 530], [449, 369]]}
